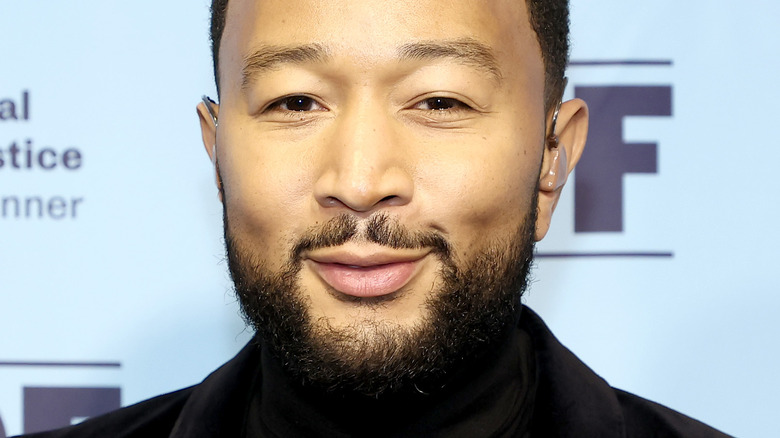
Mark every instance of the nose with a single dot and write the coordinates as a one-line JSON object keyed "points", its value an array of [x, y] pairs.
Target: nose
{"points": [[365, 166]]}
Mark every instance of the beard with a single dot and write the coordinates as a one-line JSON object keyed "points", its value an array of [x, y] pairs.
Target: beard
{"points": [[478, 300]]}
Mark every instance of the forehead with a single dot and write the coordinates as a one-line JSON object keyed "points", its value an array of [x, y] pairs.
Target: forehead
{"points": [[372, 31]]}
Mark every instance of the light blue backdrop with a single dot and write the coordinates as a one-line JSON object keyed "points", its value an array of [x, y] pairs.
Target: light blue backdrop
{"points": [[136, 281]]}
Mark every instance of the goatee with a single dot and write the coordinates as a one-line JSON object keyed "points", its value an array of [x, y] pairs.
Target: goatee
{"points": [[479, 298]]}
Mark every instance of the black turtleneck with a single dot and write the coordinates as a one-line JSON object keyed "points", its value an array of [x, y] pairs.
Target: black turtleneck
{"points": [[489, 396], [495, 395]]}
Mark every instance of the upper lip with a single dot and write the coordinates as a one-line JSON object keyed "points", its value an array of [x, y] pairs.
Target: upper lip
{"points": [[366, 257]]}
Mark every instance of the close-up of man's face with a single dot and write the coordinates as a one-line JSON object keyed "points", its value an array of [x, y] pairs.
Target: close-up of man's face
{"points": [[367, 246], [383, 190]]}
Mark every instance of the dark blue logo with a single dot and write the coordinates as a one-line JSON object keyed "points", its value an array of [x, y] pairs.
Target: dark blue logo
{"points": [[53, 407], [598, 193]]}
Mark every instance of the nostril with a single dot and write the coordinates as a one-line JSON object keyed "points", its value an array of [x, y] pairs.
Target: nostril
{"points": [[331, 201]]}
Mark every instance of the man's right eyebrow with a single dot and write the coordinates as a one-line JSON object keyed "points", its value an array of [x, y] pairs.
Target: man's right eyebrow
{"points": [[270, 57]]}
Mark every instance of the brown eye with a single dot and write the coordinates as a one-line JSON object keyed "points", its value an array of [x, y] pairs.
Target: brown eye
{"points": [[298, 103], [441, 103]]}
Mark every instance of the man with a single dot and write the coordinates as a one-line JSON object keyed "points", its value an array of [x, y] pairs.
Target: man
{"points": [[385, 169]]}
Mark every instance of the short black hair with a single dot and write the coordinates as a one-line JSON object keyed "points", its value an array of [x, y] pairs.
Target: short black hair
{"points": [[549, 19]]}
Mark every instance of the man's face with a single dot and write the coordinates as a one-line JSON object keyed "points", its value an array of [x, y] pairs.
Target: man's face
{"points": [[371, 152]]}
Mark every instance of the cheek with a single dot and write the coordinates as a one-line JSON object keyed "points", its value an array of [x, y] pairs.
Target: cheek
{"points": [[264, 194], [483, 195]]}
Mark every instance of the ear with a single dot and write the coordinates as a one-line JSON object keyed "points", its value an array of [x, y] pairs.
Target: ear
{"points": [[559, 160], [208, 132]]}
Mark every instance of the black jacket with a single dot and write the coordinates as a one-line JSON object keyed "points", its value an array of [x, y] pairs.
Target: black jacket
{"points": [[570, 401]]}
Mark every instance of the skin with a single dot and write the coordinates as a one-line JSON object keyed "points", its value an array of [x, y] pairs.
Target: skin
{"points": [[372, 141]]}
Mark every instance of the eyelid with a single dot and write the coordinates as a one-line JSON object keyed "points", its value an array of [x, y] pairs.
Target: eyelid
{"points": [[464, 102], [456, 105], [275, 103], [460, 116]]}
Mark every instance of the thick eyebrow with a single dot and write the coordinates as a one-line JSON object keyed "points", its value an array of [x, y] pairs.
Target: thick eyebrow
{"points": [[270, 57], [467, 51]]}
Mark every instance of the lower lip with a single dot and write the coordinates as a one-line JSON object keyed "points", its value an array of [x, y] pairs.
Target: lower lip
{"points": [[366, 282]]}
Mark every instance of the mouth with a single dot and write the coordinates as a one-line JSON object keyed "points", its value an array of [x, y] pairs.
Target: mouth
{"points": [[360, 273]]}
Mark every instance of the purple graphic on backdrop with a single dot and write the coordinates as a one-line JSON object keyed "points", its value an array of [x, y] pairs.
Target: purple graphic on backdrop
{"points": [[24, 155], [51, 408], [13, 109], [598, 193], [2, 429]]}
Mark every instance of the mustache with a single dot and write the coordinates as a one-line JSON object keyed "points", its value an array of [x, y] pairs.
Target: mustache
{"points": [[379, 228]]}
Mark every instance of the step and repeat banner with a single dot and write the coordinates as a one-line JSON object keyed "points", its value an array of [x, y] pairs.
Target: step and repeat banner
{"points": [[659, 271]]}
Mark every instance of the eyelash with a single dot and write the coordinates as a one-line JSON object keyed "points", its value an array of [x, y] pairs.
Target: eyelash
{"points": [[434, 108], [450, 103], [287, 100]]}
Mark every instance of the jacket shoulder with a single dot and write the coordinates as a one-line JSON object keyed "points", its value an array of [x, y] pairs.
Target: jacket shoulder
{"points": [[643, 418], [149, 419]]}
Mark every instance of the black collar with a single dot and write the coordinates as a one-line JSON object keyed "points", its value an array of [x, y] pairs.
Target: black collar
{"points": [[570, 400], [490, 396]]}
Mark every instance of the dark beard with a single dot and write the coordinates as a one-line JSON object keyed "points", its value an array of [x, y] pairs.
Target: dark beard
{"points": [[472, 309]]}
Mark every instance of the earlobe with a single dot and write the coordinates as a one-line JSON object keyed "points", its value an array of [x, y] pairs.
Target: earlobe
{"points": [[563, 149]]}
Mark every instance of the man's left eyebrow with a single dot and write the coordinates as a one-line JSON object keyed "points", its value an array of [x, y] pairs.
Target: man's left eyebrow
{"points": [[270, 57], [466, 50]]}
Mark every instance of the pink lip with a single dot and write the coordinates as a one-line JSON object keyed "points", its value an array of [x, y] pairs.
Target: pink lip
{"points": [[369, 276], [366, 282]]}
